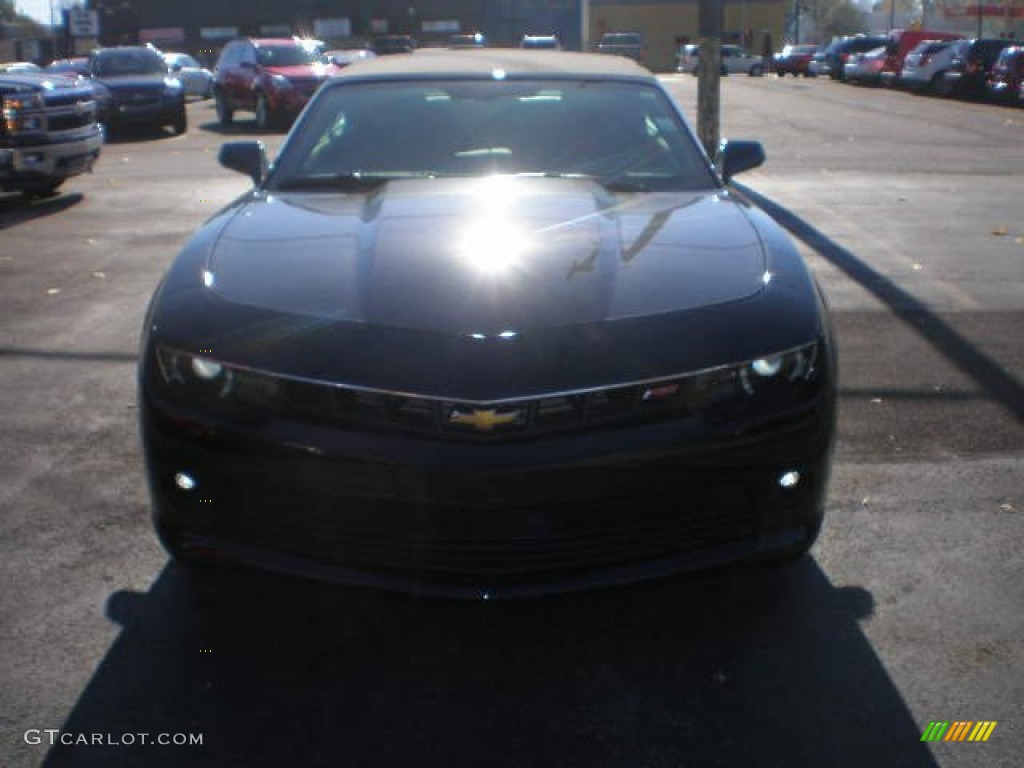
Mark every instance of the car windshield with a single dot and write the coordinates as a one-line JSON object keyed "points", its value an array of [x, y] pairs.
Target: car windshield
{"points": [[140, 61], [66, 66], [286, 56], [625, 136]]}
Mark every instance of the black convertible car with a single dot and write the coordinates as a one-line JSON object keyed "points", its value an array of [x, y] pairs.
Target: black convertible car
{"points": [[491, 325]]}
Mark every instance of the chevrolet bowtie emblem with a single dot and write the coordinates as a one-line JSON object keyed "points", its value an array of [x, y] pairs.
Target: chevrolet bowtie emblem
{"points": [[483, 421]]}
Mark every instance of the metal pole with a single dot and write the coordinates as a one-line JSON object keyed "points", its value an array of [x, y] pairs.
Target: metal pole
{"points": [[53, 32], [584, 25], [708, 75]]}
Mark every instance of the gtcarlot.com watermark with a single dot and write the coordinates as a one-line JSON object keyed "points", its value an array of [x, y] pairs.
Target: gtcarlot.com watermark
{"points": [[54, 736]]}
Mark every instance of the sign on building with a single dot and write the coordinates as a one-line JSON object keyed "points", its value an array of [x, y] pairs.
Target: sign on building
{"points": [[339, 27], [83, 23]]}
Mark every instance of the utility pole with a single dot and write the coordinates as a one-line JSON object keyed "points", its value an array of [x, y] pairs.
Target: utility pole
{"points": [[709, 67], [584, 25]]}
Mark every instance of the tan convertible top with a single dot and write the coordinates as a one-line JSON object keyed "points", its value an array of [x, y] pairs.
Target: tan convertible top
{"points": [[483, 63]]}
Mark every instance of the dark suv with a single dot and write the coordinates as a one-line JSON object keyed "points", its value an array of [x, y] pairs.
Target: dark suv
{"points": [[138, 88], [1006, 81], [969, 70], [272, 77], [384, 45]]}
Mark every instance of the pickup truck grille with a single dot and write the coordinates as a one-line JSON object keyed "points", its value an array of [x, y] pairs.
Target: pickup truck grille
{"points": [[68, 97], [68, 122]]}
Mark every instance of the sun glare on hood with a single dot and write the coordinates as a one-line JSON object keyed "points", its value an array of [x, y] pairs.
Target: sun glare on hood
{"points": [[494, 242], [494, 246]]}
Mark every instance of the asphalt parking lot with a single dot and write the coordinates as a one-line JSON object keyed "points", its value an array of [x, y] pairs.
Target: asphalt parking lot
{"points": [[909, 611]]}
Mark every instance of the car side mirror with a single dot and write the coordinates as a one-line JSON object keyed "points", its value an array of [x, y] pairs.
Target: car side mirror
{"points": [[738, 156], [248, 157], [176, 68]]}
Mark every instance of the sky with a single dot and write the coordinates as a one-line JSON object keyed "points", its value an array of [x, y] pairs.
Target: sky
{"points": [[37, 9]]}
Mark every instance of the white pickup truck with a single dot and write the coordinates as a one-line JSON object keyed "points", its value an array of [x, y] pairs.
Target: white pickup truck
{"points": [[48, 132]]}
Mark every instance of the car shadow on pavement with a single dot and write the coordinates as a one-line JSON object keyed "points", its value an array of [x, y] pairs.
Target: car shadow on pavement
{"points": [[990, 375], [237, 128], [15, 209], [134, 134], [735, 667]]}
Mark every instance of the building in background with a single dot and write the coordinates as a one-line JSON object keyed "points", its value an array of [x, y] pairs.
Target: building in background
{"points": [[202, 27], [755, 24]]}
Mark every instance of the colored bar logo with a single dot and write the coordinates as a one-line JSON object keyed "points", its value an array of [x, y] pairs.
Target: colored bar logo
{"points": [[958, 730]]}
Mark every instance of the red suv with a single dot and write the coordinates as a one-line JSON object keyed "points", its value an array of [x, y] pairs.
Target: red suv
{"points": [[272, 77]]}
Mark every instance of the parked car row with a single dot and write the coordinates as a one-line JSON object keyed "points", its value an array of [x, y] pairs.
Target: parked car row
{"points": [[923, 61], [963, 68]]}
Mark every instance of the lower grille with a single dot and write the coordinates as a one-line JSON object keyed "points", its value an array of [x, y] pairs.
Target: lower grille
{"points": [[525, 527]]}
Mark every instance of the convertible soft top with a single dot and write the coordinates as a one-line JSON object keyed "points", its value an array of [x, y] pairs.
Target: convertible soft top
{"points": [[483, 62]]}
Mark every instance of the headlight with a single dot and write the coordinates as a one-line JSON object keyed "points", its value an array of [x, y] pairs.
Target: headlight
{"points": [[207, 370], [778, 370], [200, 377], [280, 82], [769, 382], [767, 366], [17, 112]]}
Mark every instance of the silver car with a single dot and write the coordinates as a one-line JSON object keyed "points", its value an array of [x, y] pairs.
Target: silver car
{"points": [[197, 80], [924, 66], [735, 60]]}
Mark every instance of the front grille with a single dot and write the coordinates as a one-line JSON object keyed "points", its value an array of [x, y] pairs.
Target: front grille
{"points": [[345, 407], [69, 122], [731, 393], [138, 99], [493, 527]]}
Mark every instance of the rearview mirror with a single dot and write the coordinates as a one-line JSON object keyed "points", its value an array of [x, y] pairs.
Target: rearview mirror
{"points": [[248, 157], [738, 156]]}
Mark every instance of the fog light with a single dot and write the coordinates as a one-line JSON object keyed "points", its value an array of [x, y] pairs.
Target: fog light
{"points": [[789, 479], [184, 481]]}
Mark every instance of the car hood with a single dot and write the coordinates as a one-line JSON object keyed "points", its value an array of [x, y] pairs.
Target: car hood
{"points": [[10, 83], [486, 256], [303, 71], [122, 82]]}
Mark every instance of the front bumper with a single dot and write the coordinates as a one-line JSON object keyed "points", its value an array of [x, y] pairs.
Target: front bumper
{"points": [[506, 519], [49, 162], [289, 102], [156, 110]]}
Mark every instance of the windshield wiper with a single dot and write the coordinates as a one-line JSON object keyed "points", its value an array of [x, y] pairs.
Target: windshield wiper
{"points": [[623, 185], [611, 184], [344, 182]]}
